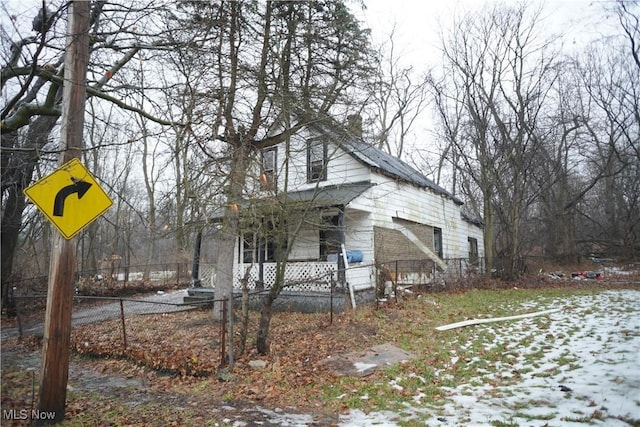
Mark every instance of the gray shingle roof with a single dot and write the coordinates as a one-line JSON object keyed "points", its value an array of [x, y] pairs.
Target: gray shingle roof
{"points": [[392, 166], [331, 195], [377, 159]]}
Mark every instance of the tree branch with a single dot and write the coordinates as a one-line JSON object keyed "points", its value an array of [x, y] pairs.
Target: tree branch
{"points": [[24, 112]]}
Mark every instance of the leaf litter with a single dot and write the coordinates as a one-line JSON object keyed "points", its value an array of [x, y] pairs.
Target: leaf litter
{"points": [[590, 347]]}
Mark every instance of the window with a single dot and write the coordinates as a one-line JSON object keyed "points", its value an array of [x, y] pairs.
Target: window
{"points": [[275, 240], [269, 159], [473, 251], [316, 159], [437, 241], [253, 247]]}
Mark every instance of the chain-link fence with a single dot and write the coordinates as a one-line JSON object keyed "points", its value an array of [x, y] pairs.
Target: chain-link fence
{"points": [[116, 280], [161, 331]]}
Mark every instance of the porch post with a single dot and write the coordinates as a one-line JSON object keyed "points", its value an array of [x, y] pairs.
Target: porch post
{"points": [[195, 269], [261, 249], [341, 267]]}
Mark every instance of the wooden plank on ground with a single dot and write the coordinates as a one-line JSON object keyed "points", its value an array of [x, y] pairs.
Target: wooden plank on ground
{"points": [[495, 319]]}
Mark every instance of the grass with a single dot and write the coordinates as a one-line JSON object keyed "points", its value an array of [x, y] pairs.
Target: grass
{"points": [[293, 376]]}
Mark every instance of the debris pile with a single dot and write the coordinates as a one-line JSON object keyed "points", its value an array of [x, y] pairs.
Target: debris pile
{"points": [[586, 275]]}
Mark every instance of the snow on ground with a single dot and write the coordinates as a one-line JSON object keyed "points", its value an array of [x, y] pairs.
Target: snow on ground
{"points": [[584, 368]]}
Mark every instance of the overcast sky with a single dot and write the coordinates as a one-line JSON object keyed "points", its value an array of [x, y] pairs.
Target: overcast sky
{"points": [[419, 22]]}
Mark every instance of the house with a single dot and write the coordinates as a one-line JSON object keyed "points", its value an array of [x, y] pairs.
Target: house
{"points": [[355, 216]]}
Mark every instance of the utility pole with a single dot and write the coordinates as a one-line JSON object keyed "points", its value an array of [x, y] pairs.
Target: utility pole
{"points": [[57, 328]]}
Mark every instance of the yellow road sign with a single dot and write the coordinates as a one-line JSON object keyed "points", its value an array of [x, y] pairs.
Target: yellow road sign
{"points": [[69, 197]]}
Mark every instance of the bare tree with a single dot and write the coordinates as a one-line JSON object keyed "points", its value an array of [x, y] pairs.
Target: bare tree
{"points": [[557, 174], [32, 79], [608, 201], [275, 66], [398, 97], [628, 12], [498, 71]]}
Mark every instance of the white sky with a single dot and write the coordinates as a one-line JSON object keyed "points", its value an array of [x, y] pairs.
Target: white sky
{"points": [[418, 22]]}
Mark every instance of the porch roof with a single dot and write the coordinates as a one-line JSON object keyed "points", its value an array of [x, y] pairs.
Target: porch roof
{"points": [[331, 195], [328, 196]]}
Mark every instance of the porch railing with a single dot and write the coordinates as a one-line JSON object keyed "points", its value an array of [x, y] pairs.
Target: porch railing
{"points": [[316, 276], [298, 276]]}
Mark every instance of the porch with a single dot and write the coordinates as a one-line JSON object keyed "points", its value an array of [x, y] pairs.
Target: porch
{"points": [[309, 287], [299, 276], [318, 276]]}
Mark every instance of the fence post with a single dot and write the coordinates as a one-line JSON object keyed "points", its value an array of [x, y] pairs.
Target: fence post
{"points": [[331, 286], [124, 331], [230, 309]]}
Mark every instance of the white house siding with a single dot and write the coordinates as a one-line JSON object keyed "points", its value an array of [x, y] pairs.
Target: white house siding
{"points": [[306, 245], [361, 276], [358, 236], [341, 167], [359, 233], [390, 198]]}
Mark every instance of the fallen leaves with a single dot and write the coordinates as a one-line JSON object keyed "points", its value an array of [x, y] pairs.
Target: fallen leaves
{"points": [[187, 345], [178, 355]]}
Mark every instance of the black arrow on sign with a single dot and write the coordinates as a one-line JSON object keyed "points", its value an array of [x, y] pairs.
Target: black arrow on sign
{"points": [[79, 186]]}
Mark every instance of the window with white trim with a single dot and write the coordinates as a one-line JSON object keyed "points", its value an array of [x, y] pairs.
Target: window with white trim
{"points": [[316, 159], [269, 168]]}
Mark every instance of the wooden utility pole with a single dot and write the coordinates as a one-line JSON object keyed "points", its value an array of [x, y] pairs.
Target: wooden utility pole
{"points": [[57, 328]]}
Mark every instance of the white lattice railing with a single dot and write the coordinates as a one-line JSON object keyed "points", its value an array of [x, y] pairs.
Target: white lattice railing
{"points": [[316, 276], [298, 276], [207, 275]]}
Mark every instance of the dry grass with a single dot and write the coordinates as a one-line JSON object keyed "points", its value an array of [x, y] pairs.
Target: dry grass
{"points": [[177, 357]]}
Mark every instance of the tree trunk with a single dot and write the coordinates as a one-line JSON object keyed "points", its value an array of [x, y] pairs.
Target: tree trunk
{"points": [[20, 171], [488, 232], [244, 321], [10, 230], [262, 340], [231, 229]]}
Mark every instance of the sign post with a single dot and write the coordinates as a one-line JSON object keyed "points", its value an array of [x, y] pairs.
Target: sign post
{"points": [[57, 328]]}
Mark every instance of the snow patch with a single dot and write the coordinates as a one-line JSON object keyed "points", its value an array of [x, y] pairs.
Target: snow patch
{"points": [[592, 349]]}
